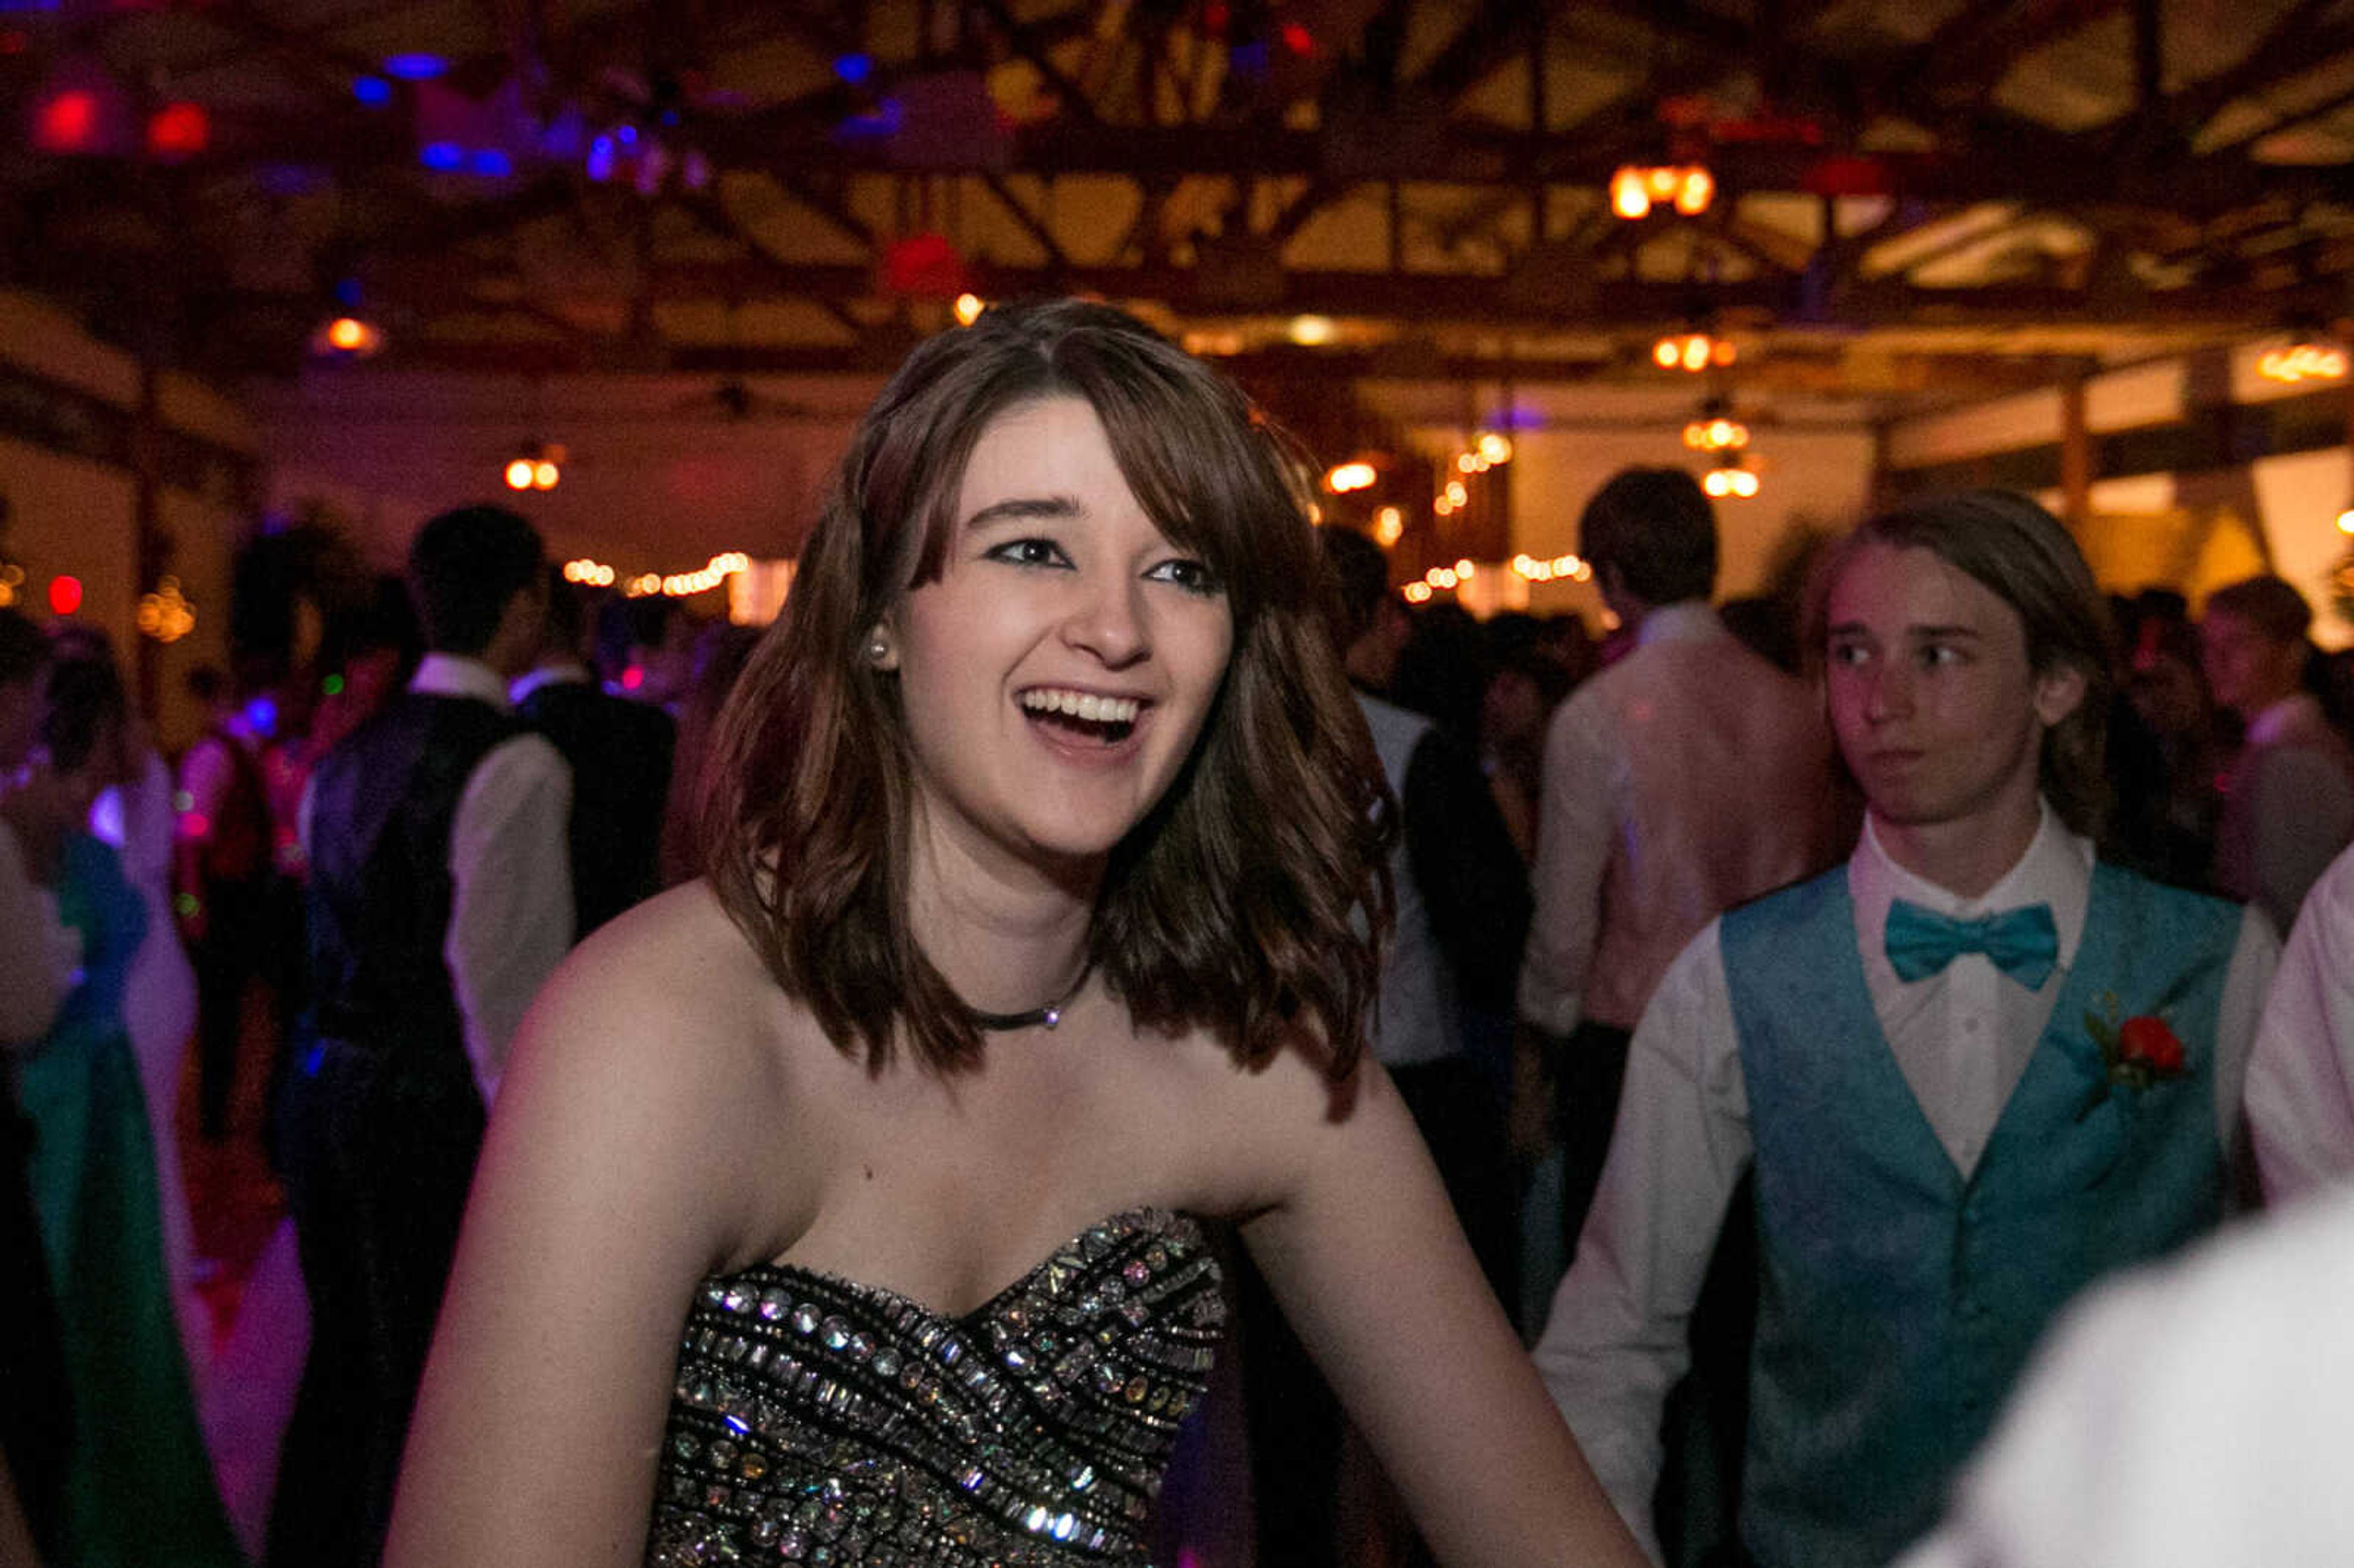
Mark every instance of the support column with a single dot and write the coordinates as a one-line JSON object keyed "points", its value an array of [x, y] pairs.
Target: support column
{"points": [[152, 547], [2075, 455]]}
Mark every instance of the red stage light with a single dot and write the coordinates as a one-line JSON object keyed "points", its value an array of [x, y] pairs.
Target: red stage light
{"points": [[924, 266], [67, 123], [179, 131], [633, 677], [1299, 39], [65, 595]]}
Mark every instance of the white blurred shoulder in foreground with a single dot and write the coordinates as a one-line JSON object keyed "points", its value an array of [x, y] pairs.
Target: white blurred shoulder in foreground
{"points": [[2192, 1415]]}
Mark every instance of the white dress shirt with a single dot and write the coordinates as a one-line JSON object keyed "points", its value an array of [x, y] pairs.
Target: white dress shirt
{"points": [[1689, 776], [1614, 1343], [2301, 1090], [2190, 1415], [38, 952], [510, 869]]}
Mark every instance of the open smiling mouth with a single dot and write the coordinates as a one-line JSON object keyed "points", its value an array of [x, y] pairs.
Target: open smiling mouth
{"points": [[1082, 716]]}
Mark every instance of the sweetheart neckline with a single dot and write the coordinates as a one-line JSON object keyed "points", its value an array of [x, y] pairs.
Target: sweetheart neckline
{"points": [[1141, 1216]]}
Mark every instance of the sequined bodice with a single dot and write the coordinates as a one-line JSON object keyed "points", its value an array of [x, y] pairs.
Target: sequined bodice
{"points": [[815, 1419]]}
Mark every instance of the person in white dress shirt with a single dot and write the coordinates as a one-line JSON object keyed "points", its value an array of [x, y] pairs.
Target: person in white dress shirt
{"points": [[440, 900], [1948, 1061], [2307, 1041], [1689, 775]]}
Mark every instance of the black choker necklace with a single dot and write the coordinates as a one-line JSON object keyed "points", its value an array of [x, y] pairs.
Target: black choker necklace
{"points": [[1045, 1017]]}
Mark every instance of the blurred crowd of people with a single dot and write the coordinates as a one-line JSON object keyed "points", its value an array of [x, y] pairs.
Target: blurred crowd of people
{"points": [[392, 827], [161, 920]]}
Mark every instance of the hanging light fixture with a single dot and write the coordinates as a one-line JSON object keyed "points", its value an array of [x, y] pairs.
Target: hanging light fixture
{"points": [[346, 337], [1693, 351], [538, 466], [1731, 477], [1716, 431], [1636, 189]]}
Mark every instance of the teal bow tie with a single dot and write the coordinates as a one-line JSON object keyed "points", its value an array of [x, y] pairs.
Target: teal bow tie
{"points": [[2023, 943]]}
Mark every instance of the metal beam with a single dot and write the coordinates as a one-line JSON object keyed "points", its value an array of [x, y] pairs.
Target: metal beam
{"points": [[2292, 47], [1487, 300], [1966, 57]]}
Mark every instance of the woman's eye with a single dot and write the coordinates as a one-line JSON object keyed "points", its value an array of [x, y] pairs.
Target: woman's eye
{"points": [[1193, 577], [1029, 553], [1849, 655], [1940, 654]]}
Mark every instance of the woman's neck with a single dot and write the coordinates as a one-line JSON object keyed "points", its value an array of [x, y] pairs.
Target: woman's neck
{"points": [[1007, 934]]}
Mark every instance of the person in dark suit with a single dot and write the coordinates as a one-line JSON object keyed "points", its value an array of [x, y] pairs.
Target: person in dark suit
{"points": [[440, 900], [620, 754]]}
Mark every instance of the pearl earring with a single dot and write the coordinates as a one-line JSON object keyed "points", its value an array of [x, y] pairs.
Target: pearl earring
{"points": [[877, 651]]}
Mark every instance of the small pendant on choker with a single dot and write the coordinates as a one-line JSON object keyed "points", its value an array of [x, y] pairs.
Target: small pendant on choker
{"points": [[1046, 1017]]}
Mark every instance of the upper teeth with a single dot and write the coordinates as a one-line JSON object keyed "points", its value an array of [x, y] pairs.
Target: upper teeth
{"points": [[1083, 704]]}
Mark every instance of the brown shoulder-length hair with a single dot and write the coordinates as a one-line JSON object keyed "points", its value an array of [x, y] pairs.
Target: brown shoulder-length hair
{"points": [[2026, 558], [1252, 899]]}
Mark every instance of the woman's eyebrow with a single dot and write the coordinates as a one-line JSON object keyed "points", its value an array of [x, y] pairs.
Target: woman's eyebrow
{"points": [[1023, 508]]}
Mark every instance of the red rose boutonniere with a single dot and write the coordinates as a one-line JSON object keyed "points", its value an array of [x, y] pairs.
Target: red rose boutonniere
{"points": [[2136, 1053]]}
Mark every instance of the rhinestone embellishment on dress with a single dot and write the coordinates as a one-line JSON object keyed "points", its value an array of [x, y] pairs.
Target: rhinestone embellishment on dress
{"points": [[821, 1420]]}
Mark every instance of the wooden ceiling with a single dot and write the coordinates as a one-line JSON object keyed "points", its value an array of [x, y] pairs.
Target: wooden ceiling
{"points": [[1918, 200]]}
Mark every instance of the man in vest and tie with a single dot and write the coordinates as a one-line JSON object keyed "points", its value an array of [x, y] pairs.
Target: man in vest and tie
{"points": [[440, 900], [1973, 1070]]}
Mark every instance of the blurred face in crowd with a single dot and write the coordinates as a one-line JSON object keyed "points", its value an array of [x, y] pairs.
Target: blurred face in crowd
{"points": [[1512, 709], [2248, 669], [2168, 695], [1937, 711]]}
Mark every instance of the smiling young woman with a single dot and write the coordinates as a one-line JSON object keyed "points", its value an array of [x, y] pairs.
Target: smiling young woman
{"points": [[853, 1200]]}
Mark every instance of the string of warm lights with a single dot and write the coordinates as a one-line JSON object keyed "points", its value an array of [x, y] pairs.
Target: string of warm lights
{"points": [[2307, 359], [1487, 449], [1440, 579], [672, 585], [1572, 568], [1529, 569]]}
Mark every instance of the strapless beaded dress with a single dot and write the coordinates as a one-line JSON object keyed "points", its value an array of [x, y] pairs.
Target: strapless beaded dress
{"points": [[818, 1420]]}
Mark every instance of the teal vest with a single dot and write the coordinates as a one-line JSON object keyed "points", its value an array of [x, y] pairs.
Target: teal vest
{"points": [[1899, 1301]]}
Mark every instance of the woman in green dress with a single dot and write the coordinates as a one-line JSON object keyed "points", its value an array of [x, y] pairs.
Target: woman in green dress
{"points": [[139, 1484]]}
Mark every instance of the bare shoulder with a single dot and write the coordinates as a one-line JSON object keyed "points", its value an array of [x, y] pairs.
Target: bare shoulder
{"points": [[1264, 1128], [663, 1054]]}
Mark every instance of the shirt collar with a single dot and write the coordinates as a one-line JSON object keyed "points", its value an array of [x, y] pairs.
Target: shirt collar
{"points": [[456, 676], [2283, 715], [561, 673], [2056, 869], [1686, 621]]}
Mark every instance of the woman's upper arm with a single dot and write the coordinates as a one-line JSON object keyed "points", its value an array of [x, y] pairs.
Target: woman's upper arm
{"points": [[1365, 1257], [605, 1193]]}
